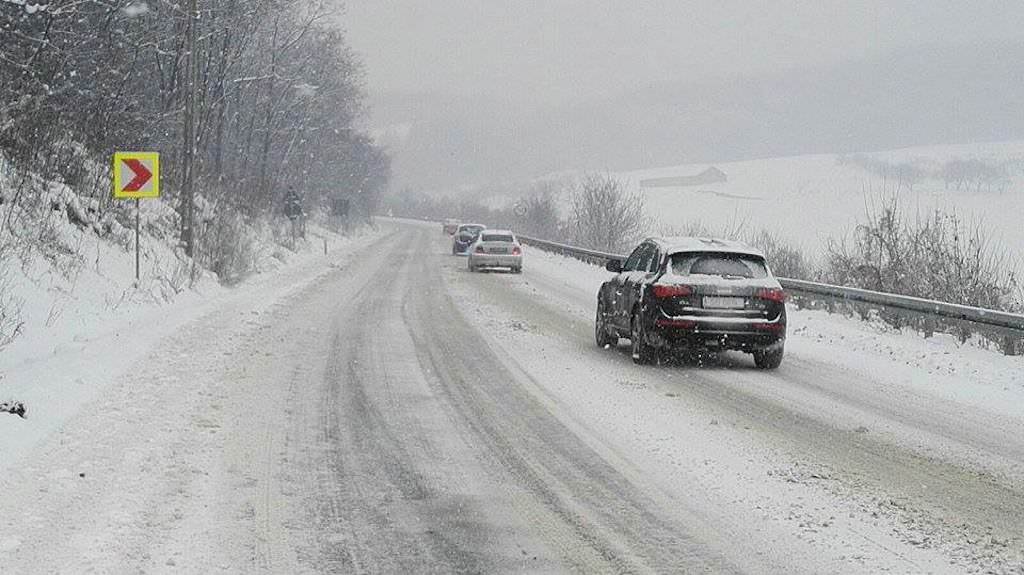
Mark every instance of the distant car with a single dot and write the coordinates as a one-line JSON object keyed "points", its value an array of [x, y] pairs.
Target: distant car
{"points": [[465, 235], [496, 249], [674, 294], [450, 226]]}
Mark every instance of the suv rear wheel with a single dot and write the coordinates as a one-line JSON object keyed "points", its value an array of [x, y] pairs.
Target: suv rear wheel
{"points": [[643, 353], [769, 358]]}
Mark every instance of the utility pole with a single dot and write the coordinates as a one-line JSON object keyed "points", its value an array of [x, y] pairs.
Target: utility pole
{"points": [[188, 159]]}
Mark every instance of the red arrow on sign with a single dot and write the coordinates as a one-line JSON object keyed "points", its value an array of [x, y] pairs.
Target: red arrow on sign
{"points": [[142, 175]]}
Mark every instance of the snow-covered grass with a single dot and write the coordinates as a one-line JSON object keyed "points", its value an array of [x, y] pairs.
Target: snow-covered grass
{"points": [[69, 294], [809, 199], [82, 332]]}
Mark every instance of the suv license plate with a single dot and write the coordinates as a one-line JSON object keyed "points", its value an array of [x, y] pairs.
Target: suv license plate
{"points": [[721, 302]]}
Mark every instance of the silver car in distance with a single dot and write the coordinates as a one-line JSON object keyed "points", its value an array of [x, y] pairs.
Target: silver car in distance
{"points": [[496, 249]]}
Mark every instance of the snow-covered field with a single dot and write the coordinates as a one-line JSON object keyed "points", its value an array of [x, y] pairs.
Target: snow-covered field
{"points": [[808, 199]]}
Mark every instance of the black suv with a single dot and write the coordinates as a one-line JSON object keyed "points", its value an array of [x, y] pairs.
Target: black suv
{"points": [[693, 294]]}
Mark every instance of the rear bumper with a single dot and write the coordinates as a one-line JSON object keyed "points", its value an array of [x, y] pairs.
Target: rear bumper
{"points": [[496, 260], [717, 333]]}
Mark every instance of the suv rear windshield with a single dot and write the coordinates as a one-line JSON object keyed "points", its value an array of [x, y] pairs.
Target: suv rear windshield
{"points": [[719, 264], [497, 238], [471, 230]]}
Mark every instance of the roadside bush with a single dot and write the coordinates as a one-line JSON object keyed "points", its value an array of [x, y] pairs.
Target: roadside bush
{"points": [[786, 260], [39, 219], [10, 307], [540, 216], [936, 257], [228, 247], [604, 215]]}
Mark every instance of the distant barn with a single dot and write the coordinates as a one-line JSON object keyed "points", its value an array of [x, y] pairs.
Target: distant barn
{"points": [[711, 175]]}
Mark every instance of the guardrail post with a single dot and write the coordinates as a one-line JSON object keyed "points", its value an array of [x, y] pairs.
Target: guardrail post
{"points": [[1012, 345], [928, 327]]}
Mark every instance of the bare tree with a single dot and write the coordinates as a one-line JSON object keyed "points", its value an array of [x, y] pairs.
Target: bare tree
{"points": [[537, 214], [785, 259], [10, 308], [935, 256], [968, 174], [604, 215]]}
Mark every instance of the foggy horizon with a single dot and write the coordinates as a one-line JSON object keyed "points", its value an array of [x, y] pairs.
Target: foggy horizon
{"points": [[457, 90]]}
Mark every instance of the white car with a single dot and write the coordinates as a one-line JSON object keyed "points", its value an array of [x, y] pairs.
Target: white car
{"points": [[496, 249]]}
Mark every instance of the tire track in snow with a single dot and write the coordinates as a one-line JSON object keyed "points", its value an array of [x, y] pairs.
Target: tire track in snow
{"points": [[393, 503], [593, 514]]}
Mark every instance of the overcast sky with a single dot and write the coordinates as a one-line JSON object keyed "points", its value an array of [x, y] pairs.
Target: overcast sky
{"points": [[463, 91], [558, 50]]}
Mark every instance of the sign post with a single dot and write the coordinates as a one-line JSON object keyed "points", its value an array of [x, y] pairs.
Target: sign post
{"points": [[293, 209], [136, 176], [137, 218]]}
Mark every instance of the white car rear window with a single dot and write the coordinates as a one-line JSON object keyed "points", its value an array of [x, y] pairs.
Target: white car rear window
{"points": [[497, 238]]}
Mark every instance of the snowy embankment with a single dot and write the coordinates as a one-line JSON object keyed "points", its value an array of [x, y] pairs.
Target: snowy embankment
{"points": [[83, 318]]}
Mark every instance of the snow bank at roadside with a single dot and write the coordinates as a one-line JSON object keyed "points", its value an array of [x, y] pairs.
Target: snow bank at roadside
{"points": [[68, 274], [83, 278], [69, 364]]}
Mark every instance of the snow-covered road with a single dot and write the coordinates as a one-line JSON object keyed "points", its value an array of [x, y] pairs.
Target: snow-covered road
{"points": [[397, 413]]}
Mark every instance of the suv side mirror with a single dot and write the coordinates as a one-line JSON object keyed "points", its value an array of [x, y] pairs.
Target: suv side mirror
{"points": [[614, 266]]}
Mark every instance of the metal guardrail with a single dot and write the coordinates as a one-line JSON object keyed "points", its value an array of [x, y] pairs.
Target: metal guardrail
{"points": [[993, 318], [573, 251], [929, 316]]}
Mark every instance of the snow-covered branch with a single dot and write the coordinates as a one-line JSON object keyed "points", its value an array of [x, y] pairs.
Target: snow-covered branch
{"points": [[30, 7]]}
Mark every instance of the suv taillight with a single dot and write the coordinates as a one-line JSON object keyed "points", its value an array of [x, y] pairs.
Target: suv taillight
{"points": [[516, 251], [772, 294], [663, 291]]}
